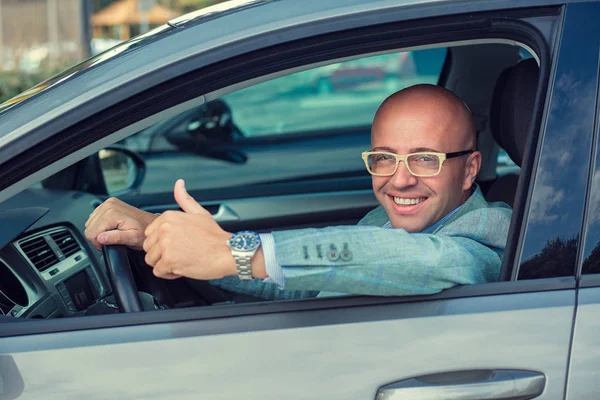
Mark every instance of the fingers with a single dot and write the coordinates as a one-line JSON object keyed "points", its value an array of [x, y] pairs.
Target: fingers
{"points": [[161, 268], [101, 210], [155, 249], [185, 201], [92, 232], [153, 256], [150, 242], [129, 238], [155, 224], [160, 273], [99, 221], [115, 215]]}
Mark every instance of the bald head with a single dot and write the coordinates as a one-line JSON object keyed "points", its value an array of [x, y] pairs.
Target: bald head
{"points": [[424, 119], [423, 104]]}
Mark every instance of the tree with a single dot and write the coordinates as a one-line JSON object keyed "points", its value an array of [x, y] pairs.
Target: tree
{"points": [[556, 259], [100, 4], [186, 6]]}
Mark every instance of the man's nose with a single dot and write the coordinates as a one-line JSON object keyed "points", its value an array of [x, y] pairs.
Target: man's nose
{"points": [[402, 177]]}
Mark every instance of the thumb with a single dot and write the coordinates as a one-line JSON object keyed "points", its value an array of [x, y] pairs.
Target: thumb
{"points": [[185, 201]]}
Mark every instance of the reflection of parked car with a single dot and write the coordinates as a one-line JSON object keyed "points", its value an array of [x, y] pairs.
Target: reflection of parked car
{"points": [[371, 73], [506, 165], [532, 334]]}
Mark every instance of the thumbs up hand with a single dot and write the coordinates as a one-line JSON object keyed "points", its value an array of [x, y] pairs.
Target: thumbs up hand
{"points": [[188, 243]]}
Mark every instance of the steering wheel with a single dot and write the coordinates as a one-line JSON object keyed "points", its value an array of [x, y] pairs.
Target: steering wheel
{"points": [[121, 278]]}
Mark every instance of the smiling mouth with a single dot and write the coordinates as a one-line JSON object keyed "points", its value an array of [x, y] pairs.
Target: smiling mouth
{"points": [[402, 201]]}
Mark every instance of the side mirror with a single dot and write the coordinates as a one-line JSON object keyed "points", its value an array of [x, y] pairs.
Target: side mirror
{"points": [[211, 133], [212, 122], [123, 170]]}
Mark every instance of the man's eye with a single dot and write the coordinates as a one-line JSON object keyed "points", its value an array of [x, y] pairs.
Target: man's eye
{"points": [[426, 158], [383, 157]]}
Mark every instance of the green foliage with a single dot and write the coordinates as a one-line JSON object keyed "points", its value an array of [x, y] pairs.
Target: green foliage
{"points": [[183, 6], [100, 4], [12, 82], [556, 259], [186, 6]]}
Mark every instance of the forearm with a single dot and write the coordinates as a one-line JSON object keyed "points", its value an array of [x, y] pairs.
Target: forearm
{"points": [[390, 262]]}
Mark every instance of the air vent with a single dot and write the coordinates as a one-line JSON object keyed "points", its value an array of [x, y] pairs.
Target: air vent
{"points": [[66, 242], [39, 253]]}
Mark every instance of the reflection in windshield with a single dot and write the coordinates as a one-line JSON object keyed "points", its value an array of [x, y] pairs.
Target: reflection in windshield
{"points": [[339, 95], [592, 242], [267, 132], [558, 199]]}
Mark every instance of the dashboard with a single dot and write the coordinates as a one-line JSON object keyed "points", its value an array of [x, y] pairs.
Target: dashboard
{"points": [[47, 268]]}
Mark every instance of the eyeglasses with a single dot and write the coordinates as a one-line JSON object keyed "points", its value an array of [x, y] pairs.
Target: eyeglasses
{"points": [[423, 164]]}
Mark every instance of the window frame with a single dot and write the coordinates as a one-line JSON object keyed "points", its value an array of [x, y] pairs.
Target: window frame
{"points": [[569, 28], [130, 111]]}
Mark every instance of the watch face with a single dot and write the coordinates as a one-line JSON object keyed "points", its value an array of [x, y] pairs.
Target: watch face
{"points": [[245, 241]]}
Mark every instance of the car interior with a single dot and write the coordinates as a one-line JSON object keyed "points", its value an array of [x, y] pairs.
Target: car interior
{"points": [[48, 270]]}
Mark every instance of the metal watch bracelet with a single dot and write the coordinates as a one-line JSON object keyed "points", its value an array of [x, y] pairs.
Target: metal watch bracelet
{"points": [[243, 264]]}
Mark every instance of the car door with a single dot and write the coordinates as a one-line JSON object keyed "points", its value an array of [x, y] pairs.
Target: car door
{"points": [[507, 339], [583, 365]]}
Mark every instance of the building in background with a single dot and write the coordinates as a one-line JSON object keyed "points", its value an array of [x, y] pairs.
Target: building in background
{"points": [[125, 19], [39, 38], [38, 34], [47, 35]]}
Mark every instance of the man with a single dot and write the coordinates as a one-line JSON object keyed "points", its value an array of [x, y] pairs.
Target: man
{"points": [[433, 229]]}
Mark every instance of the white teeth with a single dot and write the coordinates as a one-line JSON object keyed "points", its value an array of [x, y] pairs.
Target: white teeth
{"points": [[407, 202]]}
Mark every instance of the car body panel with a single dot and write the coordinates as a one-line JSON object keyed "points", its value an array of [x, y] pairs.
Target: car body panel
{"points": [[336, 354], [584, 369]]}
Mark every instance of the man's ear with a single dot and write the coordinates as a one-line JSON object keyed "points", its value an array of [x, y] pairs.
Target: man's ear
{"points": [[471, 169]]}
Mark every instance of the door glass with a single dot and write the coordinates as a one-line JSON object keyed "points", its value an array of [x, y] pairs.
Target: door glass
{"points": [[591, 254], [558, 199], [266, 132]]}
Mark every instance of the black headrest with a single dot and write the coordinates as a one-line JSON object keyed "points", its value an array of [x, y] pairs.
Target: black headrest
{"points": [[512, 107]]}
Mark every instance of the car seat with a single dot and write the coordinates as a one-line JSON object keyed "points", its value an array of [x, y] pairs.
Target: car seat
{"points": [[510, 118]]}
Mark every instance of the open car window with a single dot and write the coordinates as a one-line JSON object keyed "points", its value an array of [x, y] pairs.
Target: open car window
{"points": [[270, 157], [264, 133]]}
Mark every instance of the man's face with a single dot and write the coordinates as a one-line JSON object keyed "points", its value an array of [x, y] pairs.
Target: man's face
{"points": [[403, 132]]}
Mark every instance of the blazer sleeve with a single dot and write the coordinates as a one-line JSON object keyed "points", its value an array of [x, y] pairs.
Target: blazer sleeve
{"points": [[392, 262]]}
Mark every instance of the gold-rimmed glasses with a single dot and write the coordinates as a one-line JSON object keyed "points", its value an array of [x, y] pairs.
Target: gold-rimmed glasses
{"points": [[421, 164]]}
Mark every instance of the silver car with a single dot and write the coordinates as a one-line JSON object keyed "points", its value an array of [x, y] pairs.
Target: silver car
{"points": [[220, 97]]}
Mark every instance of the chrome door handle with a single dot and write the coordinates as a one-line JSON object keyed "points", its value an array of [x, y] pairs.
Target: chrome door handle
{"points": [[225, 214], [467, 385]]}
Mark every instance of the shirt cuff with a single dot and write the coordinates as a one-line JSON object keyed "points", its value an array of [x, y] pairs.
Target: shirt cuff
{"points": [[272, 267]]}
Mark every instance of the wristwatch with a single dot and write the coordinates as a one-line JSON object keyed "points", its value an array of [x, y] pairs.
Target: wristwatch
{"points": [[243, 245]]}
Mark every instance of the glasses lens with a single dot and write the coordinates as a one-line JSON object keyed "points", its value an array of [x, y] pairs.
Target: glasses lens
{"points": [[381, 163], [424, 164]]}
